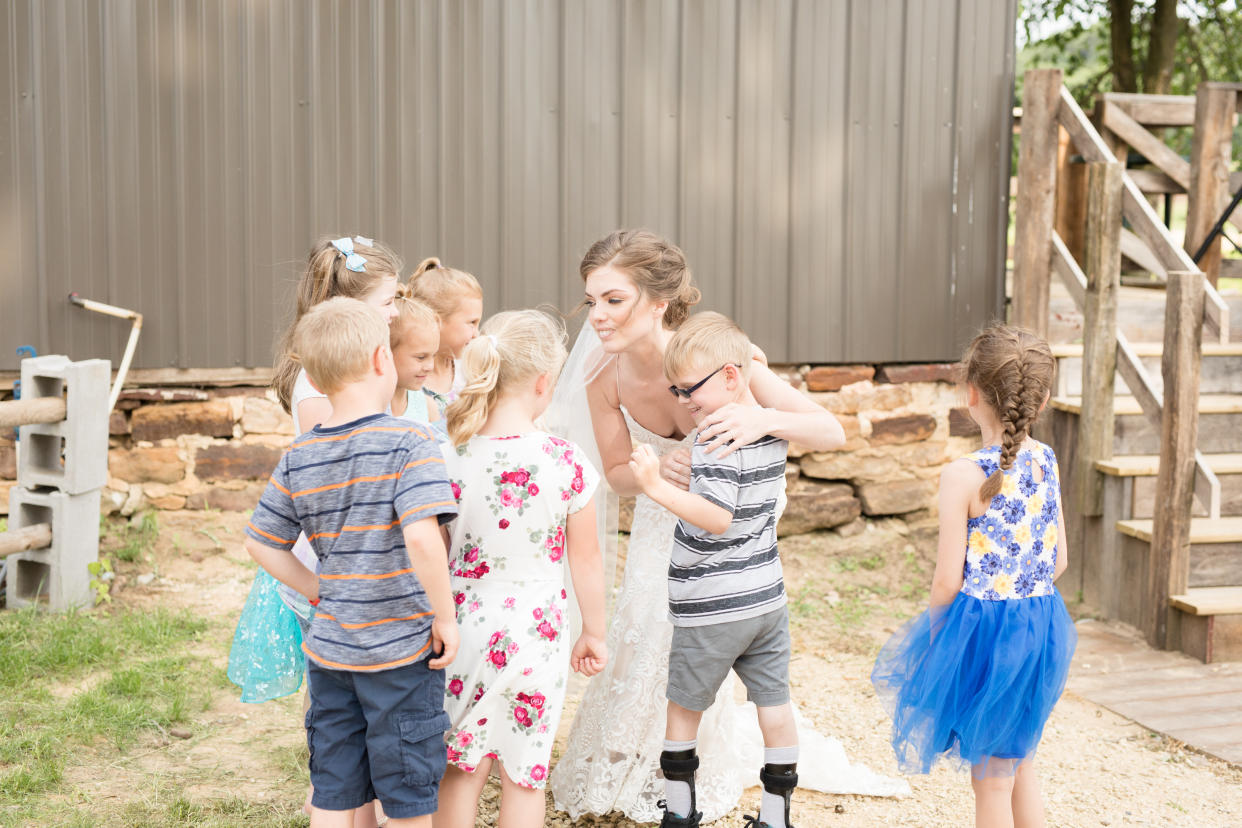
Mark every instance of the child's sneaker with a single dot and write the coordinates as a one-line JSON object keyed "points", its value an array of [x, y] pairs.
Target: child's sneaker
{"points": [[674, 821]]}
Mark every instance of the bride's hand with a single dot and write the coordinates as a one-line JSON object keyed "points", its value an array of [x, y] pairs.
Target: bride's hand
{"points": [[675, 468], [731, 427]]}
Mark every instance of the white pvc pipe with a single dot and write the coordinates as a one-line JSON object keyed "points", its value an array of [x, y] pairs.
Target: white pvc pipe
{"points": [[130, 347]]}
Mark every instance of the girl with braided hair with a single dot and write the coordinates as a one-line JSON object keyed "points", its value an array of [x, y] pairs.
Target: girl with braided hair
{"points": [[975, 677]]}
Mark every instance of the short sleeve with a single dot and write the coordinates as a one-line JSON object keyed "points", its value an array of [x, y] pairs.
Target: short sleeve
{"points": [[275, 521], [584, 482], [423, 488], [715, 478], [303, 389]]}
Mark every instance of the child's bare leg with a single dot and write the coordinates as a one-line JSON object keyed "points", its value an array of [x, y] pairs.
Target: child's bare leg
{"points": [[459, 796], [519, 807], [681, 725], [993, 797], [777, 726], [331, 819], [1028, 804], [365, 817]]}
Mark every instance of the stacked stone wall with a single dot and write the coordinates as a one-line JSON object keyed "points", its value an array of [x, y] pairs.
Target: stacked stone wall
{"points": [[214, 449]]}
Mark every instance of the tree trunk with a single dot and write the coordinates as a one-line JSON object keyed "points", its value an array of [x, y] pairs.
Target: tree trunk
{"points": [[1161, 49], [1121, 34]]}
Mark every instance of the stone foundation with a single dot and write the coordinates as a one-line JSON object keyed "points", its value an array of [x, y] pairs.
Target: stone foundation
{"points": [[214, 449]]}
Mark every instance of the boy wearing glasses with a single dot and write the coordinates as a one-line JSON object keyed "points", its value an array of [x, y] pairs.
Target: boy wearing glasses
{"points": [[726, 594]]}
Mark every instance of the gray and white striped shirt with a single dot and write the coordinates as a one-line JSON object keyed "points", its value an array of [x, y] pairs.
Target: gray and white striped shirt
{"points": [[736, 575]]}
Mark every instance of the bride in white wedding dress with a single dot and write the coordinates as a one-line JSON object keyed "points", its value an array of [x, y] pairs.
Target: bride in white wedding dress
{"points": [[611, 394]]}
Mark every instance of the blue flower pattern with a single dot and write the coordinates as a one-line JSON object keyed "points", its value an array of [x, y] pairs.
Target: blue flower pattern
{"points": [[1007, 557]]}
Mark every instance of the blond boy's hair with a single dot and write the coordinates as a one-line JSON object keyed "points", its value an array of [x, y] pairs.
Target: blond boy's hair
{"points": [[334, 342], [707, 341]]}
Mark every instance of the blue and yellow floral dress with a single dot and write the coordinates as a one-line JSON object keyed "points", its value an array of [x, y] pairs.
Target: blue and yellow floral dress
{"points": [[976, 681]]}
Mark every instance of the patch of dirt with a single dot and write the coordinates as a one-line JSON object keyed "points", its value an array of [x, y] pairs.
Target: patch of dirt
{"points": [[847, 595]]}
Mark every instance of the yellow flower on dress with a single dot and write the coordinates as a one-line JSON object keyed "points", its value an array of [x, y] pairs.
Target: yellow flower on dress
{"points": [[1022, 535], [1003, 584], [1035, 505], [1009, 487], [1050, 535], [978, 540]]}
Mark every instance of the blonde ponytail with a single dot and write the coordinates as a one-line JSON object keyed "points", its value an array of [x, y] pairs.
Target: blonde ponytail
{"points": [[514, 347]]}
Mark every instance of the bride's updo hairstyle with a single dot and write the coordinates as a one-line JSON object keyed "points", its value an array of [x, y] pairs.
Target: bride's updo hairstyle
{"points": [[512, 348], [656, 266], [1013, 369]]}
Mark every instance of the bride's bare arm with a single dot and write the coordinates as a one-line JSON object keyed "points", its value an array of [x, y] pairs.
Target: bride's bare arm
{"points": [[612, 437], [786, 414]]}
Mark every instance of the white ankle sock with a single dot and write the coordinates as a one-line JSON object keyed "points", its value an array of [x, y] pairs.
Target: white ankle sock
{"points": [[772, 806], [676, 793]]}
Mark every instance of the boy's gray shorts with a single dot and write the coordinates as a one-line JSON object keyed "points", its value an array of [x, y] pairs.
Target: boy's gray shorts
{"points": [[757, 648]]}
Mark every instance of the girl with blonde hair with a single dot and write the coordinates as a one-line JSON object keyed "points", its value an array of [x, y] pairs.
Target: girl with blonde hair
{"points": [[457, 300]]}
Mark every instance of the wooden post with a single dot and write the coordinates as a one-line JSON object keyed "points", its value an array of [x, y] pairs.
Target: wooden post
{"points": [[1099, 350], [1210, 156], [36, 536], [1037, 170], [1071, 201], [1168, 568]]}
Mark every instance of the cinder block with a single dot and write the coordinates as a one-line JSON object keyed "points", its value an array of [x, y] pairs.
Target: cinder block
{"points": [[58, 572], [71, 455]]}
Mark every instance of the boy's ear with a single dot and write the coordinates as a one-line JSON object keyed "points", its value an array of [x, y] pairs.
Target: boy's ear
{"points": [[381, 359], [733, 375]]}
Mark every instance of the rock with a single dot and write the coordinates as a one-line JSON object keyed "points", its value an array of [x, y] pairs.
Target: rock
{"points": [[262, 416], [903, 428], [169, 503], [180, 733], [814, 506], [862, 465], [134, 501], [834, 377], [157, 422], [939, 372], [8, 459], [158, 464], [196, 501], [855, 527], [145, 578], [235, 461], [896, 497], [229, 500], [960, 423], [118, 424], [863, 396]]}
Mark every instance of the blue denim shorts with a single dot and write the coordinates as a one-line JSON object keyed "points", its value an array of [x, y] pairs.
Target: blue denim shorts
{"points": [[377, 736]]}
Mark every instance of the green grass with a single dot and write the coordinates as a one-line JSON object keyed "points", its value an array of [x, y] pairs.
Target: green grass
{"points": [[128, 542], [71, 680]]}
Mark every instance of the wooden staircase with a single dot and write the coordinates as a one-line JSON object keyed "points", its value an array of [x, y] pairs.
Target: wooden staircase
{"points": [[1207, 618], [1149, 435]]}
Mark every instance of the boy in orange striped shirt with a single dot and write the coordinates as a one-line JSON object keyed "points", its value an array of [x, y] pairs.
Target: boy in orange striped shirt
{"points": [[370, 492]]}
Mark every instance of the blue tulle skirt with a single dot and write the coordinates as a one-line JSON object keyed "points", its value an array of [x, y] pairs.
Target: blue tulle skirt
{"points": [[975, 681], [266, 659]]}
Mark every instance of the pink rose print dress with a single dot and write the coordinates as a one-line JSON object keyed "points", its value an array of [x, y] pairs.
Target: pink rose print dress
{"points": [[505, 690]]}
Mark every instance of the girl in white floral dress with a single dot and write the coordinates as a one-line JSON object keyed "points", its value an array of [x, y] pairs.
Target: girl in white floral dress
{"points": [[524, 509]]}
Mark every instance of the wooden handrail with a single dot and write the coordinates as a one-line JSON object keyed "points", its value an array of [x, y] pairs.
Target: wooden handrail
{"points": [[1155, 150], [1136, 376], [1138, 212]]}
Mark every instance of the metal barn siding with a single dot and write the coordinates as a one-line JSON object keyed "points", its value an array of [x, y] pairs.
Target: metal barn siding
{"points": [[835, 169]]}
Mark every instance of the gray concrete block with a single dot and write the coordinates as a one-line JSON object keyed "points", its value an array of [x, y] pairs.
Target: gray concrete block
{"points": [[55, 577], [71, 455]]}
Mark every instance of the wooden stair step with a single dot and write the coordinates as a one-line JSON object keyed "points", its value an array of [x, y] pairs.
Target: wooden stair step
{"points": [[1122, 406], [1068, 350], [1148, 465], [1225, 600], [1202, 530]]}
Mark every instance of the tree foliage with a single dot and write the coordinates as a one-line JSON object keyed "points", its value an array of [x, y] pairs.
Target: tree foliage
{"points": [[1153, 46]]}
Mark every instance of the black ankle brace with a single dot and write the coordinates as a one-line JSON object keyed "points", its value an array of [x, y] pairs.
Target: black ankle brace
{"points": [[779, 779], [679, 765]]}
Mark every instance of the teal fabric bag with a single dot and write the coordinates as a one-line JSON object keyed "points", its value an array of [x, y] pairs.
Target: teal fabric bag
{"points": [[266, 659]]}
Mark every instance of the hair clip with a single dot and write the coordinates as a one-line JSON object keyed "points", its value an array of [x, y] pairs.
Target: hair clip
{"points": [[492, 338], [345, 247]]}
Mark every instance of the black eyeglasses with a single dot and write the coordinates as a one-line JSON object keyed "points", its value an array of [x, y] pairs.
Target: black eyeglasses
{"points": [[685, 393]]}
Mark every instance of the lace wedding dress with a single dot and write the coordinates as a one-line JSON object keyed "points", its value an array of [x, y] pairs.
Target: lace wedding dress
{"points": [[612, 759]]}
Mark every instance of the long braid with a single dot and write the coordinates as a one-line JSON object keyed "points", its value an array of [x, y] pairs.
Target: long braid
{"points": [[1013, 368]]}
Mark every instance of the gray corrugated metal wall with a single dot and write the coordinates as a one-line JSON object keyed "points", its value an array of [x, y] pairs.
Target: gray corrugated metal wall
{"points": [[835, 169]]}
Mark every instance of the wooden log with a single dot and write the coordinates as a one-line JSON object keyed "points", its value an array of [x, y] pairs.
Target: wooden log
{"points": [[1071, 274], [1168, 569], [30, 411], [1155, 110], [1137, 251], [1099, 351], [35, 536], [1211, 154], [1035, 210], [1154, 182], [1155, 150]]}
